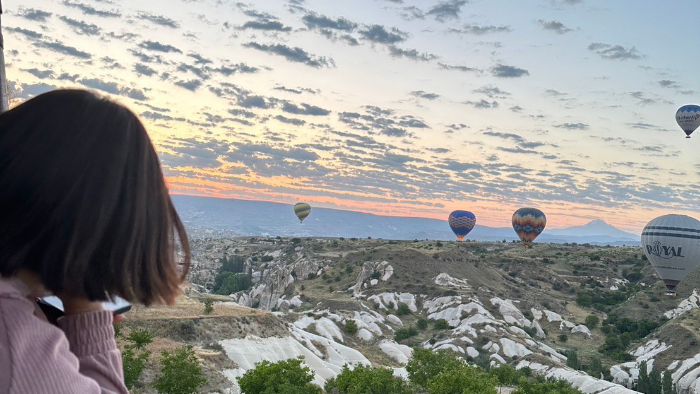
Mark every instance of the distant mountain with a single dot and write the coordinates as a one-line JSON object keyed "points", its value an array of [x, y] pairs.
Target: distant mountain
{"points": [[228, 217]]}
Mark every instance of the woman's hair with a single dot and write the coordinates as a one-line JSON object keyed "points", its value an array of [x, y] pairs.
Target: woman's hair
{"points": [[83, 202]]}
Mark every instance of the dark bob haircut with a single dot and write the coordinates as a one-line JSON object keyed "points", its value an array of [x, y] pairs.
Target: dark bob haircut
{"points": [[83, 202]]}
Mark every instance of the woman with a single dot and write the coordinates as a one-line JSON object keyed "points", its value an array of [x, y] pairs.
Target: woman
{"points": [[84, 212]]}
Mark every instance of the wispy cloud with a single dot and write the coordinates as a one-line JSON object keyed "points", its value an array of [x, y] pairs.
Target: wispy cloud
{"points": [[614, 52], [424, 95], [572, 126], [158, 20], [480, 30], [89, 10], [554, 26], [34, 14], [446, 10], [295, 54], [81, 27], [381, 35]]}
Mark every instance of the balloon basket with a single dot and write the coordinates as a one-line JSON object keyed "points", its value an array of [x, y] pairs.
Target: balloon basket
{"points": [[670, 293]]}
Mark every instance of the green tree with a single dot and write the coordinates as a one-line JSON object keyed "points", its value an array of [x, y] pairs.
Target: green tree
{"points": [[505, 374], [463, 380], [367, 380], [208, 306], [643, 385], [595, 369], [139, 338], [592, 321], [655, 384], [545, 387], [133, 363], [135, 355], [180, 372], [572, 359], [283, 377], [441, 324], [667, 383], [426, 365]]}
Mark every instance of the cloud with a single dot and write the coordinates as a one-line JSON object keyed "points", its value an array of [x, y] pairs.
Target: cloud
{"points": [[492, 91], [572, 126], [157, 46], [315, 21], [394, 132], [505, 136], [113, 88], [381, 35], [614, 52], [304, 109], [445, 10], [425, 95], [27, 33], [458, 68], [41, 74], [412, 13], [63, 49], [665, 83], [411, 54], [292, 121], [266, 25], [88, 10], [482, 104], [143, 69], [296, 54], [480, 30], [191, 85], [34, 14], [236, 68], [517, 150], [254, 102], [643, 100], [553, 93], [81, 27], [158, 20], [516, 108], [296, 91], [554, 26], [503, 71]]}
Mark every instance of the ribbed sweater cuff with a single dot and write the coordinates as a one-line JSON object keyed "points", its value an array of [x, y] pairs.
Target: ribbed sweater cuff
{"points": [[89, 333]]}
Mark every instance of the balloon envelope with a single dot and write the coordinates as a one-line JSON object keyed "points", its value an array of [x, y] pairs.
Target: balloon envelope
{"points": [[461, 223], [528, 223], [688, 117], [672, 245], [302, 210]]}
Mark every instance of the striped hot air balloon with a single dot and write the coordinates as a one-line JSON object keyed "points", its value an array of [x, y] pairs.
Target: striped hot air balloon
{"points": [[672, 245], [461, 223], [302, 210], [528, 223]]}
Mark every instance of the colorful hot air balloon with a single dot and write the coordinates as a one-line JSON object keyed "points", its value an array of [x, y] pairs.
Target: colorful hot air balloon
{"points": [[302, 210], [672, 245], [688, 117], [461, 222], [528, 223]]}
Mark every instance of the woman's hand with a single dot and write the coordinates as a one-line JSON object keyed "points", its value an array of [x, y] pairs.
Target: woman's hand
{"points": [[77, 305]]}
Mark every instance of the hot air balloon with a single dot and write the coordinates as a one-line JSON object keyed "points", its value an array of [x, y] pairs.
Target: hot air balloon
{"points": [[461, 222], [302, 210], [672, 245], [688, 117], [528, 223]]}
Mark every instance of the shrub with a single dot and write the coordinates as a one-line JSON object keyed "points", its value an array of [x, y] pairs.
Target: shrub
{"points": [[403, 310], [545, 387], [367, 380], [592, 321], [441, 324], [180, 372], [505, 374], [133, 362], [563, 338], [572, 359], [140, 338], [422, 324], [283, 377], [405, 333], [350, 327], [296, 241], [208, 306]]}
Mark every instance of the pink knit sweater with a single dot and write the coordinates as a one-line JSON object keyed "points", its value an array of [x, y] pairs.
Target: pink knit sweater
{"points": [[36, 357]]}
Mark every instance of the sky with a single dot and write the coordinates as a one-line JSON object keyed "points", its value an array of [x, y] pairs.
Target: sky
{"points": [[393, 107]]}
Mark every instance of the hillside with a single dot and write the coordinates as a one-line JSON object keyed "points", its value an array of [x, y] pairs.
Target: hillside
{"points": [[500, 303]]}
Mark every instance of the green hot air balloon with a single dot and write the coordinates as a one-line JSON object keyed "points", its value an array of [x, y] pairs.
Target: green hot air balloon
{"points": [[302, 210]]}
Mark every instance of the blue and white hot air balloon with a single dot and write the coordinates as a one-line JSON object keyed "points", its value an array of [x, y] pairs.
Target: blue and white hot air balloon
{"points": [[688, 117]]}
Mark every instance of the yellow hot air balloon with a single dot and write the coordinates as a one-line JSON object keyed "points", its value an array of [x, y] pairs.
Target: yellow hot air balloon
{"points": [[302, 210]]}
